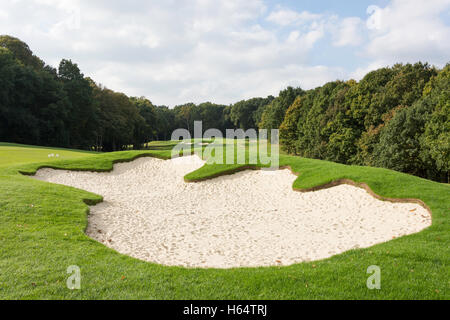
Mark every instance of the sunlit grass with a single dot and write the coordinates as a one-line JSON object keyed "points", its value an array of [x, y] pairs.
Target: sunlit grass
{"points": [[14, 154]]}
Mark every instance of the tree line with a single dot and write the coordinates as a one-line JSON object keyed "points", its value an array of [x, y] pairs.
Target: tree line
{"points": [[395, 117]]}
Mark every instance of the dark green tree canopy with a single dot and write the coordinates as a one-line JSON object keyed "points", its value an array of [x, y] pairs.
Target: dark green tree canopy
{"points": [[242, 113]]}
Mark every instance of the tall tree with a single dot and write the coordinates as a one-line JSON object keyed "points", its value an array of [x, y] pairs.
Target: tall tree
{"points": [[21, 51], [33, 104], [242, 113], [273, 114], [82, 122], [145, 130]]}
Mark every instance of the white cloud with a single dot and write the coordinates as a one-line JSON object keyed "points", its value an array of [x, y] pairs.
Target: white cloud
{"points": [[219, 50], [174, 51], [344, 31], [285, 17], [408, 31], [348, 32], [308, 39]]}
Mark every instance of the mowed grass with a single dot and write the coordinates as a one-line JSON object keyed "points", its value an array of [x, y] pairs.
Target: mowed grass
{"points": [[13, 154], [42, 234]]}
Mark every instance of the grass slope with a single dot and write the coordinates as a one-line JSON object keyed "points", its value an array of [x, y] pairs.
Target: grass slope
{"points": [[42, 233], [14, 154]]}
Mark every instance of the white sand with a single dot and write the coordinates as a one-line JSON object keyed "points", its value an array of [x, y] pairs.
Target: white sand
{"points": [[251, 218]]}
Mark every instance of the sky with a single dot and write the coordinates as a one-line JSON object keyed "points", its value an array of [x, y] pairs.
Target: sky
{"points": [[223, 51]]}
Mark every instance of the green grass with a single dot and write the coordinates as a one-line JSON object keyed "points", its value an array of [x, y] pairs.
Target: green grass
{"points": [[14, 154], [42, 233]]}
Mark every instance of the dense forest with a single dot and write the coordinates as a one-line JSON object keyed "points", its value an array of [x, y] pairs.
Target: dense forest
{"points": [[397, 117]]}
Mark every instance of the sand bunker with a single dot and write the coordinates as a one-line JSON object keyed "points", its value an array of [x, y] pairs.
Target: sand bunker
{"points": [[251, 218]]}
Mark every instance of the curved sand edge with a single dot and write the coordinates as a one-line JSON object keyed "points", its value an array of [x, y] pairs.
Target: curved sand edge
{"points": [[369, 190], [150, 213], [328, 185]]}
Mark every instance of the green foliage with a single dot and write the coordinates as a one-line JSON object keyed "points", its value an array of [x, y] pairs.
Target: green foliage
{"points": [[43, 106], [399, 146], [21, 52], [245, 113], [165, 123], [288, 129], [314, 131], [145, 125], [118, 119], [34, 106], [417, 139], [405, 86], [274, 112], [394, 117], [82, 121], [436, 140], [185, 116], [212, 116]]}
